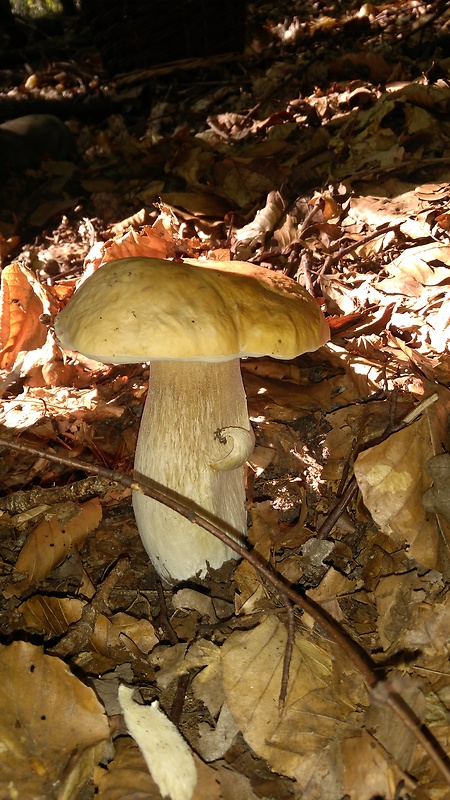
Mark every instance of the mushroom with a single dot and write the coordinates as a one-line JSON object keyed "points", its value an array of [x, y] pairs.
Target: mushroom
{"points": [[193, 321]]}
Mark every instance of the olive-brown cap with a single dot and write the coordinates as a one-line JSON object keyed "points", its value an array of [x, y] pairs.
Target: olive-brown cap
{"points": [[143, 309]]}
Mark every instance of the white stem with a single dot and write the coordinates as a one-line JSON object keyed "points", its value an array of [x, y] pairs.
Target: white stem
{"points": [[182, 438]]}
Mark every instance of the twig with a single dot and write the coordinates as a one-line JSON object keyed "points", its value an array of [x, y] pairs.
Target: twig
{"points": [[336, 512], [287, 657], [80, 632], [183, 681], [163, 618], [335, 257], [18, 502], [357, 657], [176, 708]]}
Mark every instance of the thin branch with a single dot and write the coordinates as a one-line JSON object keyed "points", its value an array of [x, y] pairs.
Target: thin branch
{"points": [[335, 257], [80, 632], [337, 511], [357, 657]]}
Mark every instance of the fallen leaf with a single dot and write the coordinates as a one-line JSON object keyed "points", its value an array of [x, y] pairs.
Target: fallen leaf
{"points": [[302, 742], [392, 479], [167, 755], [52, 540], [436, 499], [23, 299], [52, 728]]}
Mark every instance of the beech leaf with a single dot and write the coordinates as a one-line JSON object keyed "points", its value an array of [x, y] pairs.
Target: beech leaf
{"points": [[392, 479], [52, 727], [302, 742], [52, 540]]}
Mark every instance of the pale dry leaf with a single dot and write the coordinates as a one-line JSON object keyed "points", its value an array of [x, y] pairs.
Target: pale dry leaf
{"points": [[170, 663], [167, 755], [176, 660], [426, 264], [63, 529], [392, 479], [427, 636], [52, 728], [389, 730], [196, 601], [214, 742], [266, 220], [367, 773], [323, 694], [207, 684], [396, 598], [287, 230], [436, 499]]}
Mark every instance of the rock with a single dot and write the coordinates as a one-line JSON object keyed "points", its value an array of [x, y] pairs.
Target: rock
{"points": [[26, 141]]}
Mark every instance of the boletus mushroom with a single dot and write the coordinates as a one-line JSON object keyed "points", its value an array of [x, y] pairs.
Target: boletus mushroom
{"points": [[192, 321]]}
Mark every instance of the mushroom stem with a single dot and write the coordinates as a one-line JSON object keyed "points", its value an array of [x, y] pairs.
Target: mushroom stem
{"points": [[189, 403]]}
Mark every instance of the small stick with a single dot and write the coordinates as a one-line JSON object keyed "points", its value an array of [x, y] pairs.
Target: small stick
{"points": [[358, 658], [334, 258], [336, 512], [80, 632], [183, 681]]}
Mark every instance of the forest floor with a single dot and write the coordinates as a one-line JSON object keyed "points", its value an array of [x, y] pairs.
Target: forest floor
{"points": [[322, 152]]}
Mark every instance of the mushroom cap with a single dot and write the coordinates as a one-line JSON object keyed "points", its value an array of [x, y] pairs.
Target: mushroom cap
{"points": [[141, 309]]}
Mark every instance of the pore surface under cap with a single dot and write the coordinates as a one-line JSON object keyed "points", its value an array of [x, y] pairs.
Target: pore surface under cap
{"points": [[138, 309]]}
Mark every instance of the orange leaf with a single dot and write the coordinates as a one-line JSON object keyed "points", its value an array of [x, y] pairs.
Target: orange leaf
{"points": [[22, 300]]}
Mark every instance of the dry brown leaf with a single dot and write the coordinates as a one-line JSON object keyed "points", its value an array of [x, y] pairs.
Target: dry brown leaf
{"points": [[119, 633], [23, 300], [283, 400], [371, 66], [51, 615], [127, 776], [367, 773], [304, 742], [333, 587], [437, 499], [52, 540], [426, 635], [52, 727], [363, 375], [396, 597], [112, 637], [389, 729], [392, 479]]}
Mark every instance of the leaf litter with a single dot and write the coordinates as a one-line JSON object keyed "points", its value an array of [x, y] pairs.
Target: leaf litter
{"points": [[338, 176]]}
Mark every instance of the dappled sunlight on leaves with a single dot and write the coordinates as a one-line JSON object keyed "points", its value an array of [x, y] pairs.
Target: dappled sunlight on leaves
{"points": [[321, 153]]}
